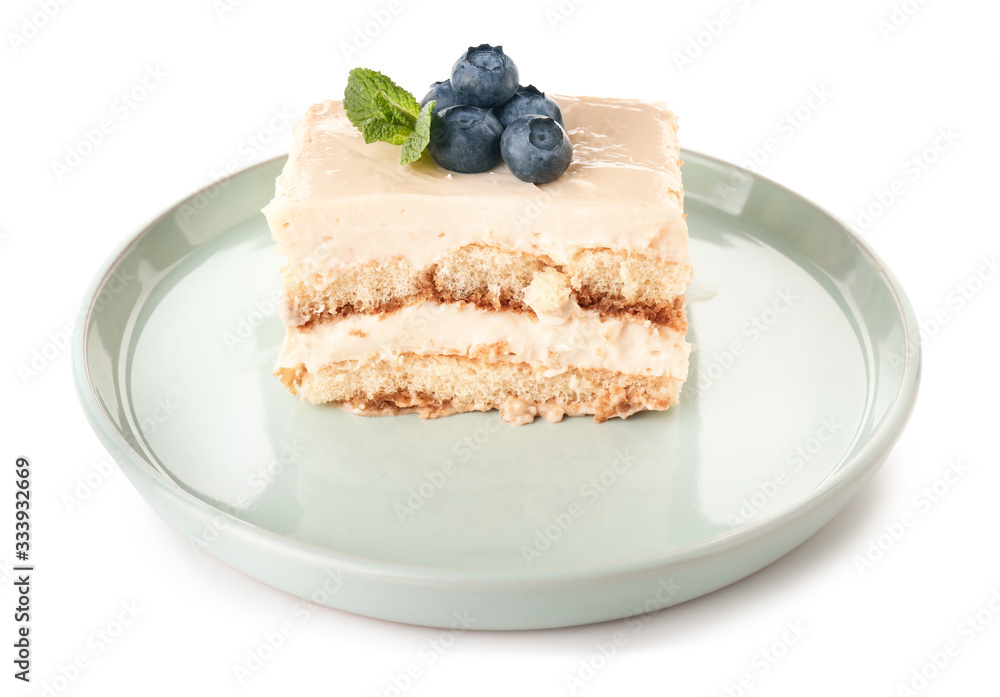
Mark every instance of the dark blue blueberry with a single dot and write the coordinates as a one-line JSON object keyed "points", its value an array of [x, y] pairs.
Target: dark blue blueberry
{"points": [[484, 76], [528, 100], [443, 93], [465, 139], [536, 148]]}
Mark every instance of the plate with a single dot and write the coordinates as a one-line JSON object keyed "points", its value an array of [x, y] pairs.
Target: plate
{"points": [[804, 371]]}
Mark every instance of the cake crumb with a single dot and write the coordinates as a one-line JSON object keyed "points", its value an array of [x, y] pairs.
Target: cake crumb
{"points": [[549, 295], [517, 411]]}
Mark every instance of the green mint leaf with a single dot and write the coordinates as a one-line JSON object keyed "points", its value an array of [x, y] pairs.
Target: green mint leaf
{"points": [[389, 126], [414, 145], [379, 108]]}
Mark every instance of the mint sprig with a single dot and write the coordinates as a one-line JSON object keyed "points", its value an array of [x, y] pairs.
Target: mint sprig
{"points": [[385, 112]]}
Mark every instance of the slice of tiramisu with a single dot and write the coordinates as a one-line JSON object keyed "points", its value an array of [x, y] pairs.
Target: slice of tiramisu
{"points": [[415, 289]]}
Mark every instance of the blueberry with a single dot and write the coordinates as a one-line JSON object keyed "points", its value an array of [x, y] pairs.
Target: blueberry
{"points": [[536, 148], [465, 139], [443, 93], [528, 100], [484, 76]]}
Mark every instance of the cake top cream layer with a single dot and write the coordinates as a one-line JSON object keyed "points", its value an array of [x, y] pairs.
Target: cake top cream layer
{"points": [[623, 149], [341, 201]]}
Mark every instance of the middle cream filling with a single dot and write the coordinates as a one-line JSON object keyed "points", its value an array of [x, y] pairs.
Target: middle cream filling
{"points": [[583, 340]]}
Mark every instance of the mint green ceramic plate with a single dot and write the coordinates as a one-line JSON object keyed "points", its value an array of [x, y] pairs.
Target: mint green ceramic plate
{"points": [[804, 372]]}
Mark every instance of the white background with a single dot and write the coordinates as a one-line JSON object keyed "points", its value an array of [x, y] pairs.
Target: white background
{"points": [[216, 74]]}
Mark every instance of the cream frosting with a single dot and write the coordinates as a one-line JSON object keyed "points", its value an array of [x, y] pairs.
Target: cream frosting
{"points": [[340, 201], [582, 341]]}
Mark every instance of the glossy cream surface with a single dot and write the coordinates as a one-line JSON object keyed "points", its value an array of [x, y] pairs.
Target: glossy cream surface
{"points": [[340, 201]]}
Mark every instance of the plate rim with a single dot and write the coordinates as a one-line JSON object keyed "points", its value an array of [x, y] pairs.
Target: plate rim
{"points": [[864, 461]]}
